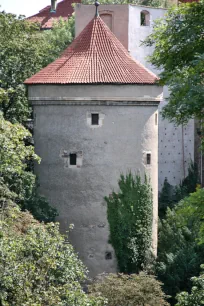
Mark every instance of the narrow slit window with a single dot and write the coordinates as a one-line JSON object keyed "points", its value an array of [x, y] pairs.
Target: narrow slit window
{"points": [[156, 118], [73, 159], [148, 159], [95, 119]]}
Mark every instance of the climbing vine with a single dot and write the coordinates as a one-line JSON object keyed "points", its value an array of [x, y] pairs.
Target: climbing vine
{"points": [[130, 219]]}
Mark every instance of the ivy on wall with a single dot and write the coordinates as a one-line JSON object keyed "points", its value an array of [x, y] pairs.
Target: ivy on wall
{"points": [[130, 214]]}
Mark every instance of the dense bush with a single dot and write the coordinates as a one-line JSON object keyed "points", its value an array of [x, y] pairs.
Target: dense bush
{"points": [[14, 156], [37, 265], [180, 248], [130, 290], [196, 297], [192, 211], [130, 220]]}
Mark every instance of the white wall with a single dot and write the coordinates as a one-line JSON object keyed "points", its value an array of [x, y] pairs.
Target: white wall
{"points": [[137, 33], [176, 144]]}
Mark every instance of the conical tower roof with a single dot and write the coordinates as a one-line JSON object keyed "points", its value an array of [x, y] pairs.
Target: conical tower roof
{"points": [[96, 56]]}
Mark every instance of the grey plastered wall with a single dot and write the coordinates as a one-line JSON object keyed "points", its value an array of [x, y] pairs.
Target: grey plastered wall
{"points": [[128, 132]]}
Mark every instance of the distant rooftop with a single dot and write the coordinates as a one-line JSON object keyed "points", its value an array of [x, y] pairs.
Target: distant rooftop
{"points": [[64, 10], [96, 56]]}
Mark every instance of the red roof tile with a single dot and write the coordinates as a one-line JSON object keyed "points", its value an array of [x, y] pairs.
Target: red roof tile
{"points": [[95, 56], [46, 18]]}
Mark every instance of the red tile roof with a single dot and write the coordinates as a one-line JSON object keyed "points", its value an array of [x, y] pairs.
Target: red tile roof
{"points": [[95, 56], [45, 18]]}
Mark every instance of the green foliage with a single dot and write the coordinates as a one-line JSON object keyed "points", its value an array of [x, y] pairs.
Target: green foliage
{"points": [[14, 156], [13, 152], [153, 3], [60, 37], [196, 297], [130, 290], [37, 265], [21, 55], [24, 51], [179, 45], [192, 210], [130, 220], [170, 195], [179, 254]]}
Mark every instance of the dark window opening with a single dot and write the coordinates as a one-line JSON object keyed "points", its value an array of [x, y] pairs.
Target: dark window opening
{"points": [[73, 159], [95, 119], [148, 159], [108, 255], [144, 18], [156, 119]]}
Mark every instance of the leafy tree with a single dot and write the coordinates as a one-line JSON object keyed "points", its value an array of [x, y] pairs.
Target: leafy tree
{"points": [[129, 290], [179, 45], [60, 37], [24, 51], [21, 55], [192, 209], [196, 297], [37, 265], [130, 219], [15, 156], [179, 254], [13, 152]]}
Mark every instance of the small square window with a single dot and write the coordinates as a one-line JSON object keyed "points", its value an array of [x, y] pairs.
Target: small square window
{"points": [[95, 119], [72, 159], [108, 255], [148, 159]]}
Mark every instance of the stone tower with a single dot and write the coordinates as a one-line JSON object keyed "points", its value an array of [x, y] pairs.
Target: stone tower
{"points": [[95, 116]]}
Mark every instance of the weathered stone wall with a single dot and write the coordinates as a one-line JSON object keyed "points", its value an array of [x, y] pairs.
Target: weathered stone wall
{"points": [[128, 132]]}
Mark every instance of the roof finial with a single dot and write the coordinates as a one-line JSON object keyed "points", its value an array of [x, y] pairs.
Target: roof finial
{"points": [[97, 5]]}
